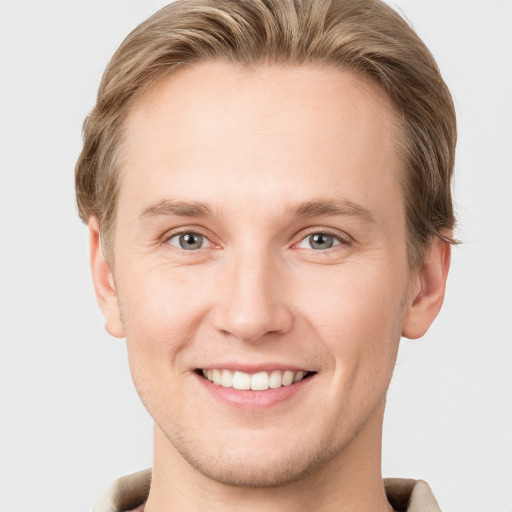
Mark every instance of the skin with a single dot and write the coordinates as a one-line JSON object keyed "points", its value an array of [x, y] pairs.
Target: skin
{"points": [[258, 148]]}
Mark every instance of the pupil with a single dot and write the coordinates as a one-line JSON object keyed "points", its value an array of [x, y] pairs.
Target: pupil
{"points": [[191, 241], [321, 241]]}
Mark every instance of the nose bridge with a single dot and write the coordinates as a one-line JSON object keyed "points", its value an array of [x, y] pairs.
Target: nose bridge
{"points": [[253, 300]]}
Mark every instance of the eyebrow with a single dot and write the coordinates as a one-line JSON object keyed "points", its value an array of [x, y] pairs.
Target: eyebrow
{"points": [[167, 207], [314, 208], [331, 208]]}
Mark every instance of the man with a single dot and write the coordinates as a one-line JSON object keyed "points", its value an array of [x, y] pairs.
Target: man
{"points": [[267, 190]]}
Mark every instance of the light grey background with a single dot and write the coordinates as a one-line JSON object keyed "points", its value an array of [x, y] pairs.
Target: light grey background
{"points": [[70, 421]]}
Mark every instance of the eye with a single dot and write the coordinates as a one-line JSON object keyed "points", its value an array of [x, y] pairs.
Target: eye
{"points": [[189, 241], [319, 241]]}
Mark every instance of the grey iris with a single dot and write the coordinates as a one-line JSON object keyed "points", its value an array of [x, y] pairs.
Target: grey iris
{"points": [[321, 241], [190, 241]]}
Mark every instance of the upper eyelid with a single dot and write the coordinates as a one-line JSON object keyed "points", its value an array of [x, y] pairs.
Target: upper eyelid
{"points": [[171, 233], [343, 237]]}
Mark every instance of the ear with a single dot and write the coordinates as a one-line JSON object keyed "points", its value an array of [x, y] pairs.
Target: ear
{"points": [[104, 285], [428, 290]]}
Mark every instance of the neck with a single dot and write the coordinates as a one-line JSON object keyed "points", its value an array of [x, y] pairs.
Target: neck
{"points": [[350, 481]]}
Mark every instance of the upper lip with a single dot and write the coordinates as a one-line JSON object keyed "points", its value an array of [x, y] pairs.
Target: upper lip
{"points": [[255, 368]]}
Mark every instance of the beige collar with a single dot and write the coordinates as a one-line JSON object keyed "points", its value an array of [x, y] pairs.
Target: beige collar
{"points": [[131, 491]]}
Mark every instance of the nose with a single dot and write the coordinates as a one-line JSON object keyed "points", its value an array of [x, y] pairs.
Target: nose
{"points": [[252, 299]]}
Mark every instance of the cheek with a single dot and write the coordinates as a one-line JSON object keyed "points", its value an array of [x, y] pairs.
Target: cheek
{"points": [[161, 315], [362, 297], [357, 316], [162, 311]]}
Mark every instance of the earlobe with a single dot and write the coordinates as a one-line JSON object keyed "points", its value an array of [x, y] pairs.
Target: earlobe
{"points": [[428, 295], [104, 285]]}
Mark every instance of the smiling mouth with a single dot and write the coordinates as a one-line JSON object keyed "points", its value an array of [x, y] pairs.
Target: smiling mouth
{"points": [[259, 381]]}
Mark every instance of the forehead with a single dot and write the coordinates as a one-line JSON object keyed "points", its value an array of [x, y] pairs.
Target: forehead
{"points": [[284, 133]]}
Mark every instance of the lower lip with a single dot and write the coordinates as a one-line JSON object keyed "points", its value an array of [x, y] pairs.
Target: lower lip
{"points": [[254, 399]]}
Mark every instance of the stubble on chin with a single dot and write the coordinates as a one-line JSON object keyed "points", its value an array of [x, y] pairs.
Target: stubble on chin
{"points": [[239, 469]]}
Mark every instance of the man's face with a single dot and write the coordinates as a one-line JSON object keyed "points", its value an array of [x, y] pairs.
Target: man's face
{"points": [[260, 228]]}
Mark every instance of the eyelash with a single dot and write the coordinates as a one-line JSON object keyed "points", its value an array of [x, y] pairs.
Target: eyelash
{"points": [[169, 237], [342, 240]]}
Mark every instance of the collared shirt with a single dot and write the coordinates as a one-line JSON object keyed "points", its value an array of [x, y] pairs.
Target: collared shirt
{"points": [[129, 493]]}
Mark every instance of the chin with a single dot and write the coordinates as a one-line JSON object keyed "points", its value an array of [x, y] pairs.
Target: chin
{"points": [[257, 473], [253, 465]]}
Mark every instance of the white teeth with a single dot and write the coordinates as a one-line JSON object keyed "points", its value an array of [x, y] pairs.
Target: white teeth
{"points": [[241, 380], [259, 381], [298, 376], [216, 375], [227, 379], [287, 378], [275, 379]]}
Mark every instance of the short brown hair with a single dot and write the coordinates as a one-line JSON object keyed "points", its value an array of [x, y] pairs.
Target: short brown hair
{"points": [[366, 37]]}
